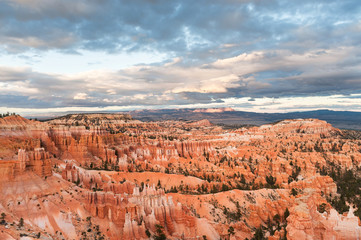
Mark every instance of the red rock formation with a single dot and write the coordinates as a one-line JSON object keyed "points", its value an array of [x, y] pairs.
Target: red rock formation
{"points": [[7, 170], [306, 222], [208, 179], [322, 184], [37, 161]]}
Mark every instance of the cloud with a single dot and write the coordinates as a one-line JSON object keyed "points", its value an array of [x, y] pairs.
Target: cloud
{"points": [[213, 51], [293, 104], [80, 96], [213, 85], [260, 74], [192, 29]]}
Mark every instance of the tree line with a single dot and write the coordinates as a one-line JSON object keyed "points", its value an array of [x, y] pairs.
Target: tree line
{"points": [[2, 115]]}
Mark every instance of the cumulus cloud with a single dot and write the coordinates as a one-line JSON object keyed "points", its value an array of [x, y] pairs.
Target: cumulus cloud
{"points": [[80, 96]]}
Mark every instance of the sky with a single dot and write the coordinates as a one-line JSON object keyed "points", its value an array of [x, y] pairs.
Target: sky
{"points": [[107, 55]]}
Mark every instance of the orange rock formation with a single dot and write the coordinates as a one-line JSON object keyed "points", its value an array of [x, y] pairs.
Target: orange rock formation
{"points": [[108, 176]]}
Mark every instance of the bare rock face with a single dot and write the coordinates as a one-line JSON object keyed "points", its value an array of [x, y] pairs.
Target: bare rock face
{"points": [[306, 126], [191, 148], [324, 185], [139, 211], [19, 126], [37, 161], [91, 176], [94, 119], [94, 144], [134, 209], [306, 222], [7, 170]]}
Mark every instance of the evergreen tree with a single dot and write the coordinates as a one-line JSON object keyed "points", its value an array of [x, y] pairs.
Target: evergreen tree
{"points": [[159, 233]]}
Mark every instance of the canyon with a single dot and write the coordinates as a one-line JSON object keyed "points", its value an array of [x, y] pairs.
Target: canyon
{"points": [[110, 176]]}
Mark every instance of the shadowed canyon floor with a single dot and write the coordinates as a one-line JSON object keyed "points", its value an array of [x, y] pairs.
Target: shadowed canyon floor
{"points": [[108, 176]]}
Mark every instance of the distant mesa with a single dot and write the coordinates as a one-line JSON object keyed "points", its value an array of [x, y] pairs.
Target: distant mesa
{"points": [[214, 110], [231, 117], [204, 123]]}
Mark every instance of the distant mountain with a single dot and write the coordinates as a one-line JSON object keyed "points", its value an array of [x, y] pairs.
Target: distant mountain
{"points": [[227, 116]]}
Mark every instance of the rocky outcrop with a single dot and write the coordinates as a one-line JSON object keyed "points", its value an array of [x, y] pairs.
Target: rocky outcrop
{"points": [[306, 222], [192, 148], [95, 119], [298, 126], [142, 210], [17, 126], [37, 161], [323, 185]]}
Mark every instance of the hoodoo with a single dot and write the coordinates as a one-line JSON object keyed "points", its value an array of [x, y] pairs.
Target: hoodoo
{"points": [[104, 176]]}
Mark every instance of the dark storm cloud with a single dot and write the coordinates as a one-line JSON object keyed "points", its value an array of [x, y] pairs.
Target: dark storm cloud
{"points": [[13, 101], [197, 28]]}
